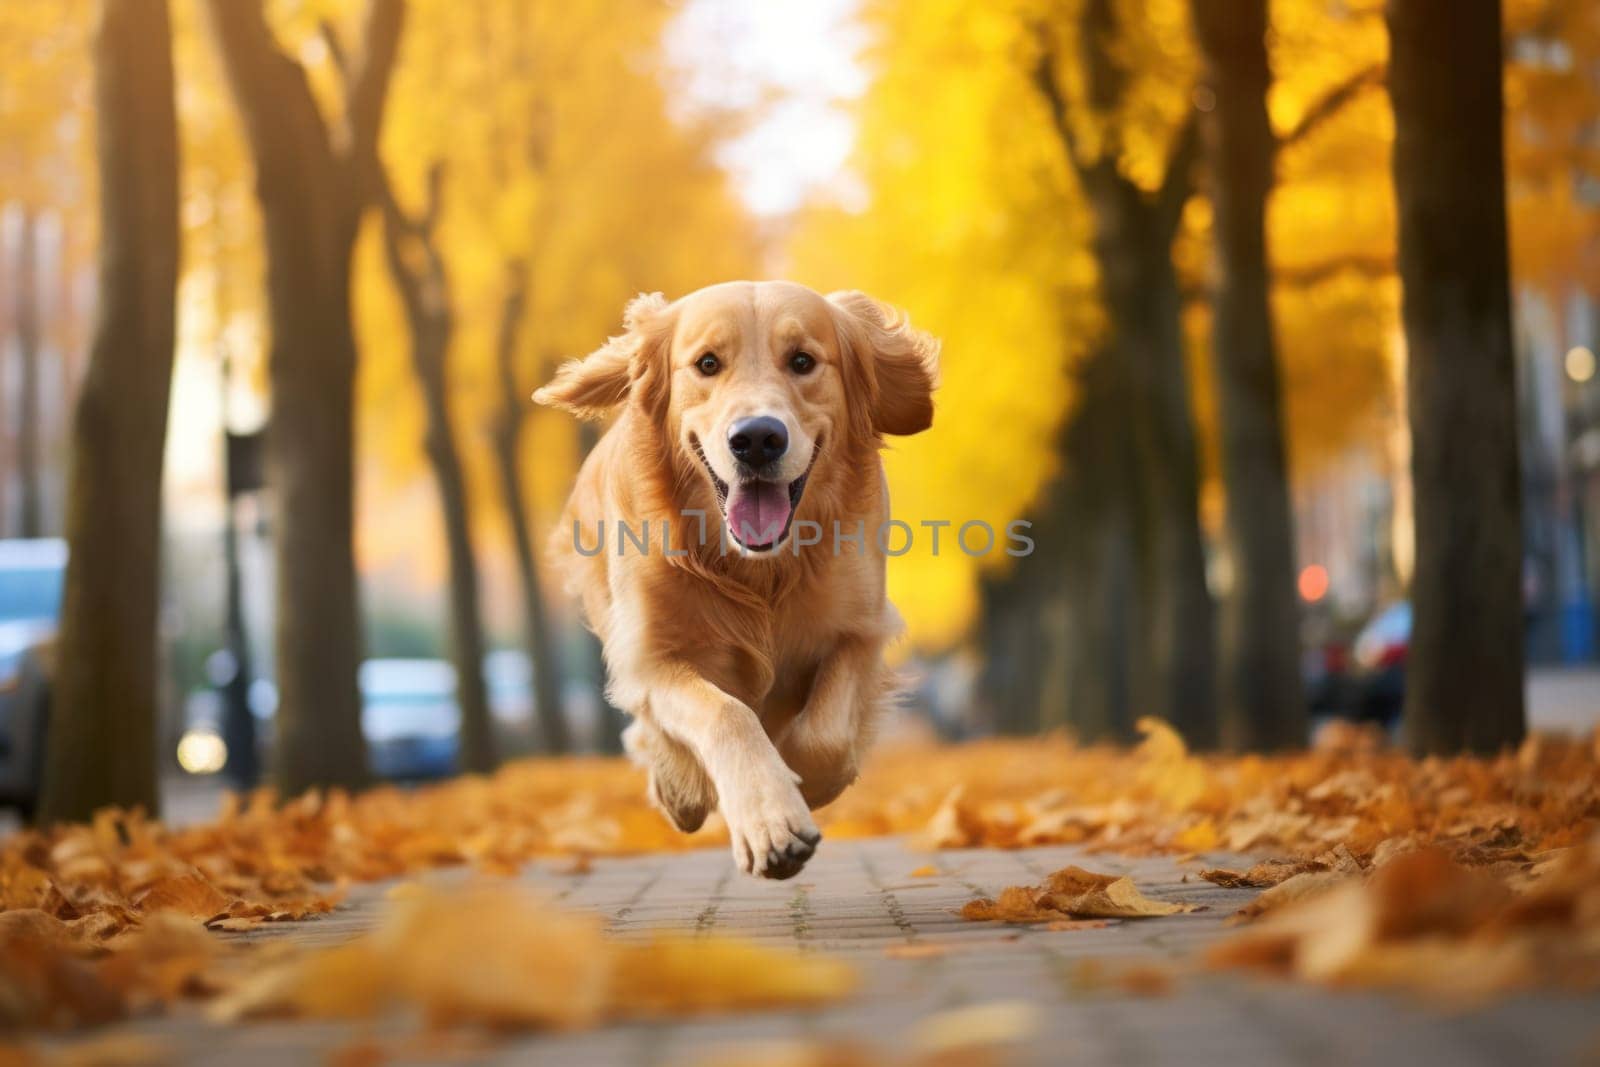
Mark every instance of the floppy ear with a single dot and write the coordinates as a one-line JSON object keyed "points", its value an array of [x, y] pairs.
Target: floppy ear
{"points": [[592, 386], [900, 364]]}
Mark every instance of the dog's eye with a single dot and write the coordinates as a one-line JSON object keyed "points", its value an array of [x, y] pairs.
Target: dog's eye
{"points": [[802, 363], [708, 364]]}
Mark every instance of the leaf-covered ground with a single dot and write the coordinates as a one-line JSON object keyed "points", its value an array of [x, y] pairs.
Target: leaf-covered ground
{"points": [[1461, 877]]}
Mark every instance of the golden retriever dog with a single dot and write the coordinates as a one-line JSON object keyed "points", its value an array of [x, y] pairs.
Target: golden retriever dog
{"points": [[724, 539]]}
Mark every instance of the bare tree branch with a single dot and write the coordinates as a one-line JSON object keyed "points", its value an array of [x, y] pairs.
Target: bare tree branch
{"points": [[1334, 101], [1178, 183], [395, 217], [1044, 77], [1308, 274], [513, 309], [273, 95], [1107, 80], [368, 88], [336, 52], [398, 226], [424, 221], [416, 261], [434, 204]]}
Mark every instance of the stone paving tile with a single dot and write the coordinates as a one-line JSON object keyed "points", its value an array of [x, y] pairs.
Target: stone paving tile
{"points": [[859, 900]]}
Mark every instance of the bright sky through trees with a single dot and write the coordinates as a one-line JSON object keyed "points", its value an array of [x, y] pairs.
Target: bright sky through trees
{"points": [[794, 67]]}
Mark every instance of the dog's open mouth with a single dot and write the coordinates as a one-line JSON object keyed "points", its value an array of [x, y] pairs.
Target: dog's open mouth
{"points": [[756, 511]]}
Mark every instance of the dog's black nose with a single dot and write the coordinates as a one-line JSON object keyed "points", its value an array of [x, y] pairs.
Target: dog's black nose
{"points": [[758, 440]]}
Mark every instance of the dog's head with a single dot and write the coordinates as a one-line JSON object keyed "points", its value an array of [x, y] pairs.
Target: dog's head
{"points": [[766, 388]]}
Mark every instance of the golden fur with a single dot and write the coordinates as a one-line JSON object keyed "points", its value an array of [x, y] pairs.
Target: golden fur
{"points": [[754, 677]]}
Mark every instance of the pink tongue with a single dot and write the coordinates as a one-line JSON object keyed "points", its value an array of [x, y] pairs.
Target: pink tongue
{"points": [[757, 511]]}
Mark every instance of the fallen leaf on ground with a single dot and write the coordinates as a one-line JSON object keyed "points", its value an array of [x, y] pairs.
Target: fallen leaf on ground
{"points": [[360, 1052], [1201, 837], [951, 826], [1269, 873], [1350, 806], [167, 957], [972, 1036], [32, 924], [827, 1052], [677, 974], [1137, 978], [975, 1026], [186, 894], [1016, 904], [502, 956], [1075, 893], [920, 950], [45, 985], [1425, 923], [1301, 886], [113, 1050]]}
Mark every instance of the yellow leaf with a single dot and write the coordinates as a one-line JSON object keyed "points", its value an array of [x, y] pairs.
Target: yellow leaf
{"points": [[674, 974]]}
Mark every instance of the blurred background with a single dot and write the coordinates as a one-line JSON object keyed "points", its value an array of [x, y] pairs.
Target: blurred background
{"points": [[478, 186]]}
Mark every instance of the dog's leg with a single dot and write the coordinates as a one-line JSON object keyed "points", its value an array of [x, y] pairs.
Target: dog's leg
{"points": [[679, 786], [825, 741], [770, 826]]}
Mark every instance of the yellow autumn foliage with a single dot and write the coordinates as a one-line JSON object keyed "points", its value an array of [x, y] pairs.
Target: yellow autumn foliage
{"points": [[566, 147]]}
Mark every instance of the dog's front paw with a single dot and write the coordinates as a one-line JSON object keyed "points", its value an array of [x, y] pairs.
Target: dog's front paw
{"points": [[771, 828], [679, 787], [822, 787], [685, 803]]}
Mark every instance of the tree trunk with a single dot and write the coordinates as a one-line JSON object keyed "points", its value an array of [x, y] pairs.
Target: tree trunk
{"points": [[314, 185], [1013, 650], [424, 285], [478, 748], [1464, 676], [7, 432], [243, 763], [1172, 642], [1098, 564], [1265, 707], [1175, 676], [554, 734], [30, 466], [102, 736], [612, 719]]}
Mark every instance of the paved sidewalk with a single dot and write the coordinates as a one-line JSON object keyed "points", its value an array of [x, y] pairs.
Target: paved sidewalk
{"points": [[858, 900]]}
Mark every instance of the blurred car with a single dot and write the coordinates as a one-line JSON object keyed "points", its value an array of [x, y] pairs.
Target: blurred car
{"points": [[1378, 665], [1362, 678], [1325, 671], [508, 676], [31, 576], [410, 718], [1326, 636], [409, 715]]}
